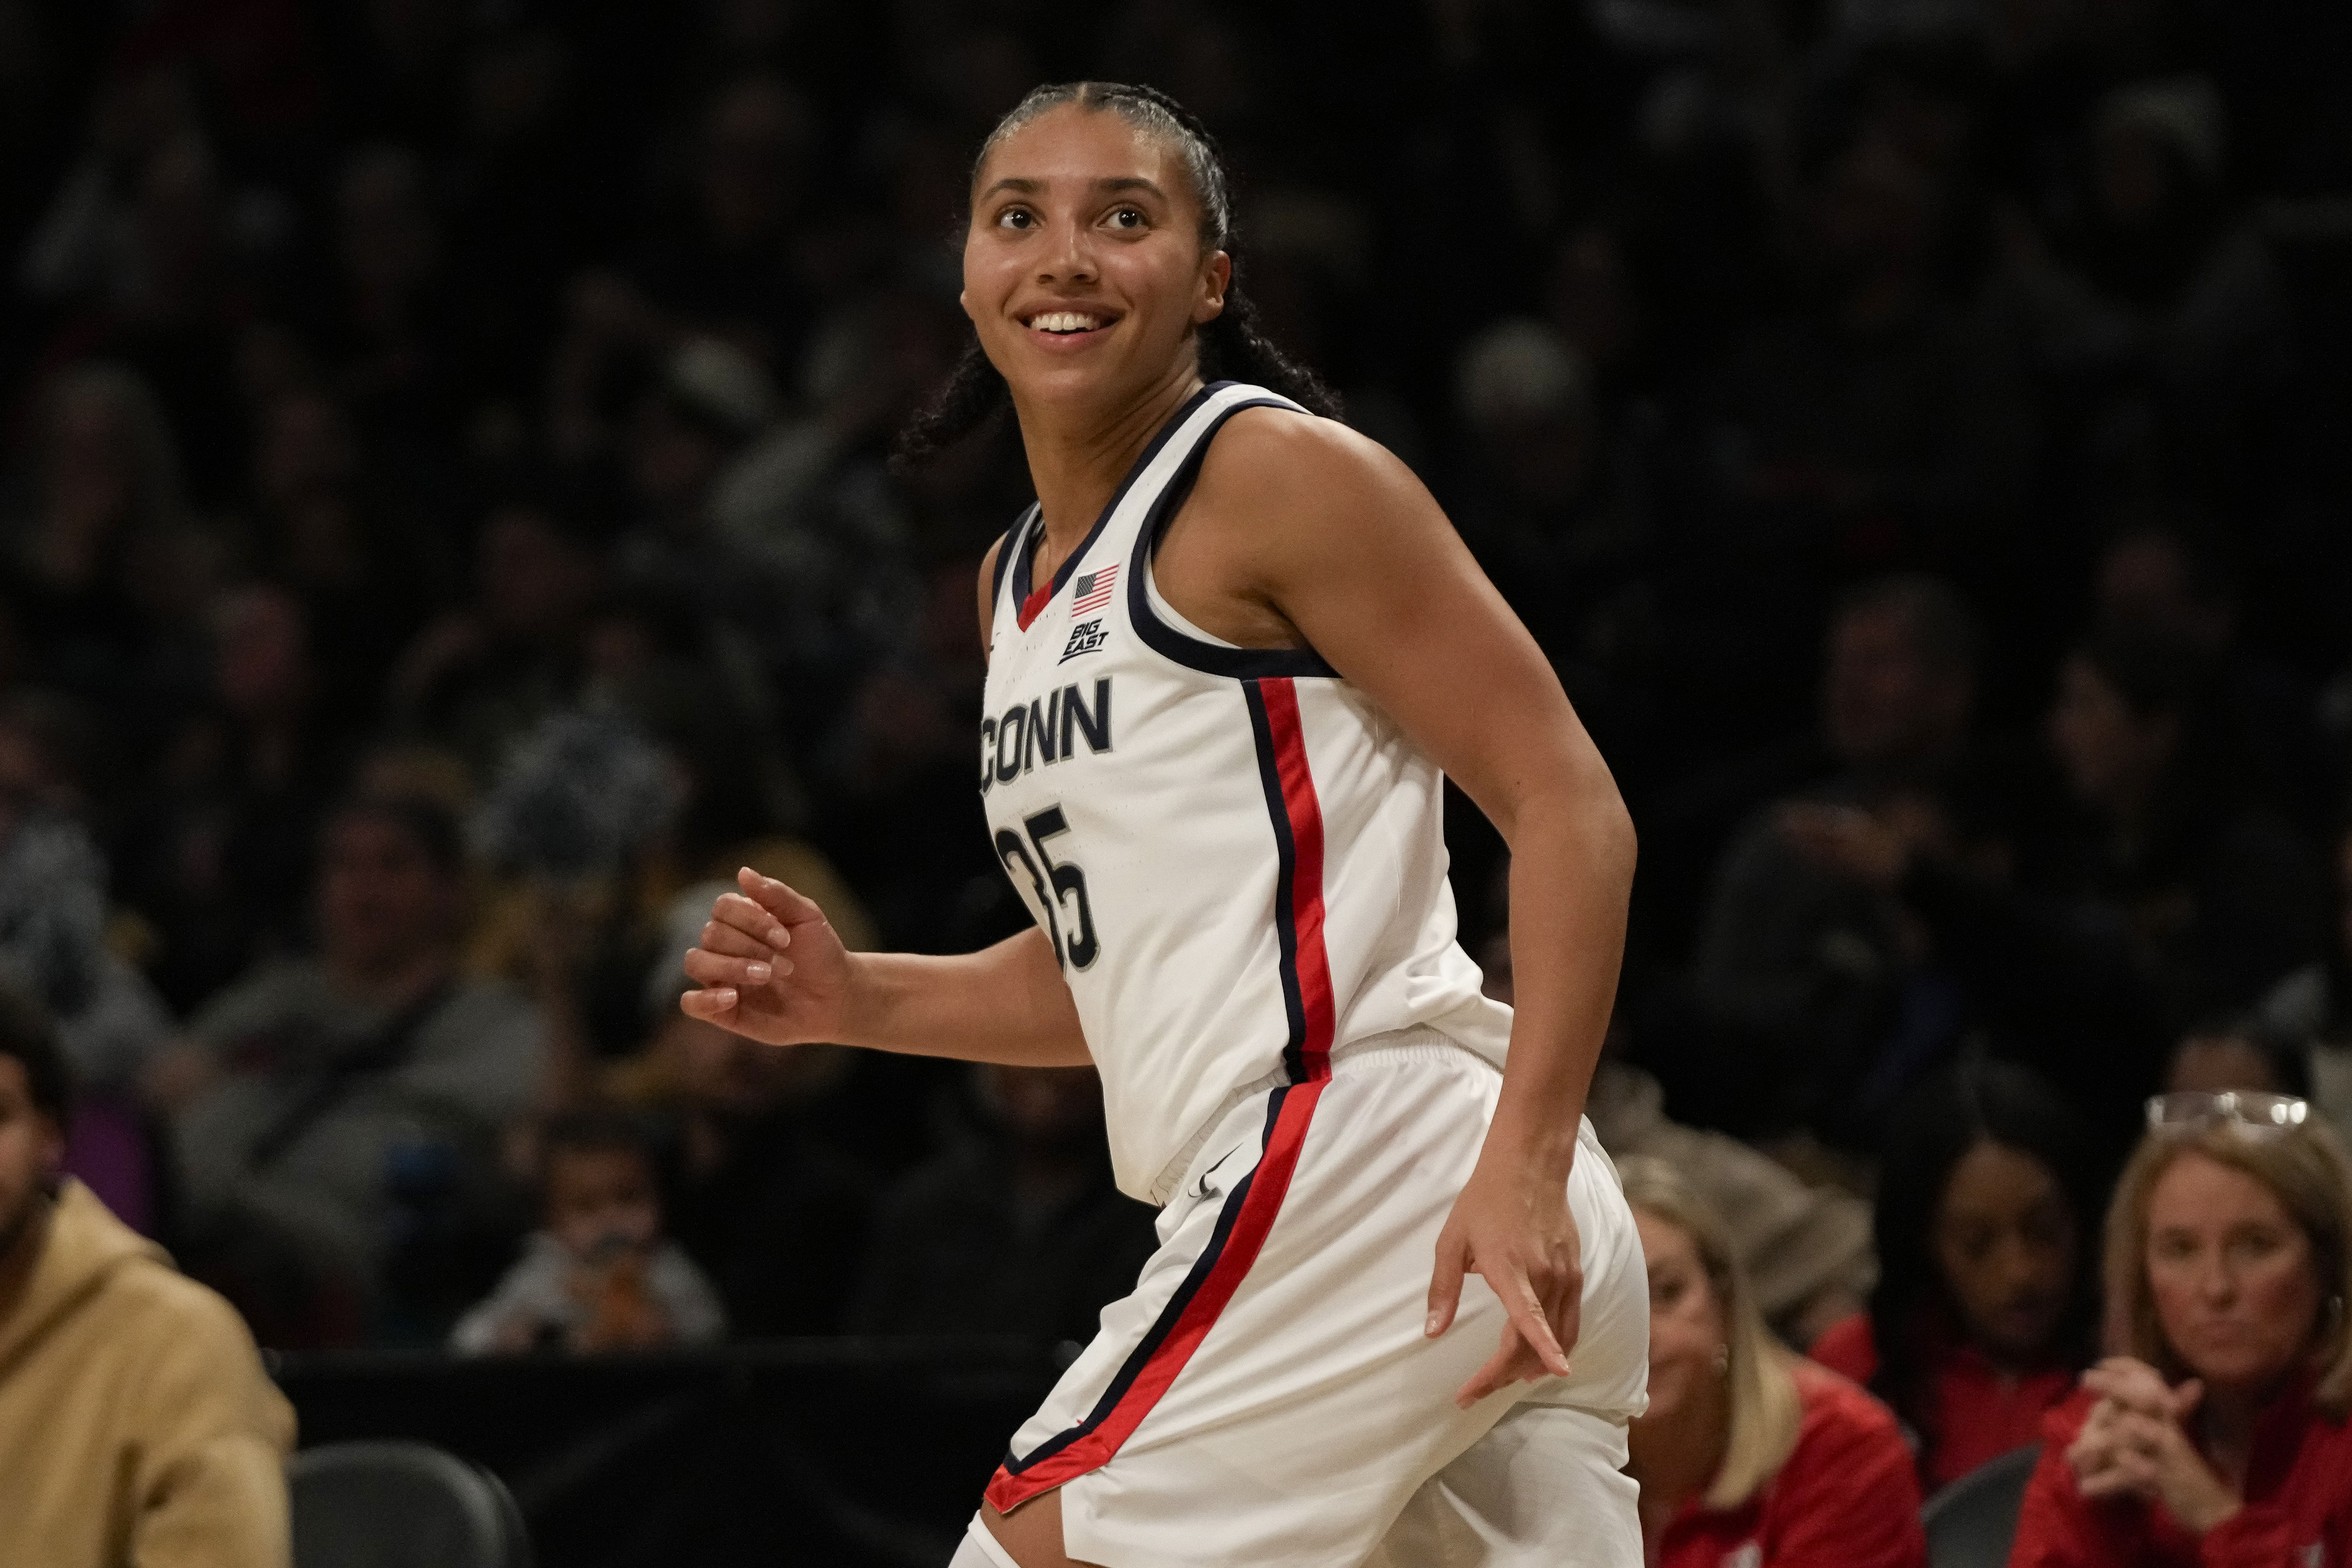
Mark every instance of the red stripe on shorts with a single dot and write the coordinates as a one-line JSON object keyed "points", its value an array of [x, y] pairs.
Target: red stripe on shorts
{"points": [[1099, 1439]]}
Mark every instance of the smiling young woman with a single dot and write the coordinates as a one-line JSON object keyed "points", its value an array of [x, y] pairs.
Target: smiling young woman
{"points": [[1234, 650]]}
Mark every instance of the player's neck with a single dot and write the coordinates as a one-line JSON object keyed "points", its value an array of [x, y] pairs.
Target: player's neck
{"points": [[1079, 455]]}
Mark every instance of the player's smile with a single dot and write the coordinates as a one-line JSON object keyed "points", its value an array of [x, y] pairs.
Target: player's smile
{"points": [[1060, 328]]}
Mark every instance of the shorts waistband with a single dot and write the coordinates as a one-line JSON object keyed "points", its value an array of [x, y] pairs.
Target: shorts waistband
{"points": [[1418, 1043]]}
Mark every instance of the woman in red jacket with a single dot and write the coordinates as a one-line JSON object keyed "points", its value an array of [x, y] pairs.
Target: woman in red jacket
{"points": [[1988, 1283], [2218, 1440], [1751, 1456]]}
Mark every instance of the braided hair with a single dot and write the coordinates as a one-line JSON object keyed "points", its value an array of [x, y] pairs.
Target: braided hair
{"points": [[974, 396]]}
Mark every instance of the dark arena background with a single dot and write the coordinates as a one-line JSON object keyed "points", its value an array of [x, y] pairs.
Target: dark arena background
{"points": [[448, 522]]}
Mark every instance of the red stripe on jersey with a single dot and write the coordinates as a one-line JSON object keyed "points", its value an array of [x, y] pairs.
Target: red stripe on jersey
{"points": [[1281, 696], [1269, 1182]]}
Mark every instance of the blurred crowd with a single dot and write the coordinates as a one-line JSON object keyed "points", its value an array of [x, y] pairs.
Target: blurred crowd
{"points": [[448, 526]]}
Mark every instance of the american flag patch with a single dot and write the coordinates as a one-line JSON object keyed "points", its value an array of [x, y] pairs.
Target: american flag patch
{"points": [[1092, 592]]}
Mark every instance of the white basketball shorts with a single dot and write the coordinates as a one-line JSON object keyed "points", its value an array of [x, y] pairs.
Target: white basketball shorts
{"points": [[1266, 1394]]}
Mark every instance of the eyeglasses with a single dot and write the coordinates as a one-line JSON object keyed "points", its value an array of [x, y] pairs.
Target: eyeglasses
{"points": [[2257, 1115]]}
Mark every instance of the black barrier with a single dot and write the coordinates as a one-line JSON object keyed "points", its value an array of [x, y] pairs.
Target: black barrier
{"points": [[827, 1452]]}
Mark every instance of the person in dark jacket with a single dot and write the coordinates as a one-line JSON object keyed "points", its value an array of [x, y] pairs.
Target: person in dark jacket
{"points": [[1016, 1230]]}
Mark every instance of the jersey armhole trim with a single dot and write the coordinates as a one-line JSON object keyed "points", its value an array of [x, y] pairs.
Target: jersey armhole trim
{"points": [[1015, 540], [1210, 659]]}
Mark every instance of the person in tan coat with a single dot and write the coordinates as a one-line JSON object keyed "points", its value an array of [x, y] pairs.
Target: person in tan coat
{"points": [[137, 1427]]}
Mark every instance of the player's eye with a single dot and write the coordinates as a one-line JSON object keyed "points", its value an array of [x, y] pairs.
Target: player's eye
{"points": [[1016, 217], [1128, 218]]}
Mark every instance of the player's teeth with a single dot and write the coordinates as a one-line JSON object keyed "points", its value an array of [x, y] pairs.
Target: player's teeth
{"points": [[1063, 322]]}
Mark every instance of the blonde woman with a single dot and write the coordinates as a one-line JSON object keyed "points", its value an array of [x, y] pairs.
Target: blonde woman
{"points": [[1751, 1456], [2218, 1438]]}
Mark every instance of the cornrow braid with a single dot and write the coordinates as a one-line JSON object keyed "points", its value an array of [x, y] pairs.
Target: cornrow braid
{"points": [[1233, 348]]}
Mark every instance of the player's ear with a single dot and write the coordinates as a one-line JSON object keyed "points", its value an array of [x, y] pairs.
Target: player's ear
{"points": [[1216, 277]]}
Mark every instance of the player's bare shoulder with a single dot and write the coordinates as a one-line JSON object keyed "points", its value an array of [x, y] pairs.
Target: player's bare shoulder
{"points": [[1282, 493], [1304, 478]]}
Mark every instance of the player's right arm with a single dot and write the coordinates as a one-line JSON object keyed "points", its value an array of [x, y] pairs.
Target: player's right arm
{"points": [[771, 969]]}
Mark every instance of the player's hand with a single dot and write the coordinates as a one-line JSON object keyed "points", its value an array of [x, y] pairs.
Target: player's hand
{"points": [[1512, 1227], [770, 967]]}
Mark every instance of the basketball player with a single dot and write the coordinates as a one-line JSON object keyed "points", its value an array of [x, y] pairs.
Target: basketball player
{"points": [[1230, 650]]}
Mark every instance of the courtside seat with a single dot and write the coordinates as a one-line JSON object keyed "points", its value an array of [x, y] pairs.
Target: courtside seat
{"points": [[1971, 1522], [401, 1505]]}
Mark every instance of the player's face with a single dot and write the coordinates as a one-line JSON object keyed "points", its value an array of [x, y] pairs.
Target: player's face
{"points": [[1083, 268]]}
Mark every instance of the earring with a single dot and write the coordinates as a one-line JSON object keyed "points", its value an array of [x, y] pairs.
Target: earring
{"points": [[1722, 1361]]}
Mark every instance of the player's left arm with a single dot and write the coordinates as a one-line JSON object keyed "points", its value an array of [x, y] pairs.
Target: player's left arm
{"points": [[1336, 540]]}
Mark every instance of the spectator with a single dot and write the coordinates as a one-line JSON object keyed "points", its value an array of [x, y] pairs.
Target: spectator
{"points": [[1879, 423], [344, 1111], [598, 1275], [2159, 580], [1749, 1454], [54, 911], [2218, 1437], [1544, 504], [765, 1205], [136, 1423], [2168, 896], [327, 528], [1017, 1231], [108, 499], [218, 856], [2239, 1053], [1815, 983], [479, 677], [1987, 1291]]}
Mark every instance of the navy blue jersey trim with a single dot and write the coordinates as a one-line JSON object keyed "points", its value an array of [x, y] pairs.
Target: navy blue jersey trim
{"points": [[1015, 540], [1022, 568], [1165, 1323], [1211, 659], [1286, 911]]}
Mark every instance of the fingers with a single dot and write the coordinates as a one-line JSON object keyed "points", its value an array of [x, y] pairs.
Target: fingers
{"points": [[752, 919], [712, 1004], [1513, 1361], [1528, 1349], [778, 898], [2126, 1474], [1526, 1308], [734, 944], [1567, 1296], [707, 968], [2132, 1385], [1446, 1282], [1568, 1319]]}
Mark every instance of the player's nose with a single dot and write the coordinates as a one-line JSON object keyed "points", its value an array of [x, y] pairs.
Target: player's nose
{"points": [[1069, 255]]}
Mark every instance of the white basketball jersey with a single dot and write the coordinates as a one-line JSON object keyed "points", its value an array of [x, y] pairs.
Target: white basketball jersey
{"points": [[1239, 860]]}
